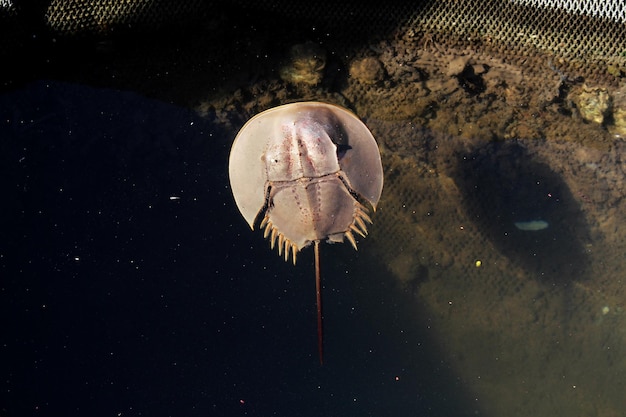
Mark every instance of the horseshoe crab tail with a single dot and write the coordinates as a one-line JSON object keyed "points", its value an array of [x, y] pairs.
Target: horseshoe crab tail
{"points": [[318, 294]]}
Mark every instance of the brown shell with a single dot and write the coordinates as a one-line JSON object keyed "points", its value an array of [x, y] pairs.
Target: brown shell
{"points": [[298, 169]]}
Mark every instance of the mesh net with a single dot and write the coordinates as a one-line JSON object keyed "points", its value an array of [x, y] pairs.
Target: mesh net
{"points": [[586, 36], [79, 16]]}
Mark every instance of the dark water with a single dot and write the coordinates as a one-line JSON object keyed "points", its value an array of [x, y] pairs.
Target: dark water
{"points": [[130, 285]]}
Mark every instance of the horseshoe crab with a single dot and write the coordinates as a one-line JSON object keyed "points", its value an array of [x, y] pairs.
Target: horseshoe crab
{"points": [[303, 172]]}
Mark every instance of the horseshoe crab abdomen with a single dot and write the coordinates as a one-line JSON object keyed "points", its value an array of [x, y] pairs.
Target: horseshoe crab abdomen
{"points": [[312, 209]]}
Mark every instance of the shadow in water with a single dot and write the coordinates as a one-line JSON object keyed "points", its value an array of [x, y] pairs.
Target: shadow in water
{"points": [[525, 209]]}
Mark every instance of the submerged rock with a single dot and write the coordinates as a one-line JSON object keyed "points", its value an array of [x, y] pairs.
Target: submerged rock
{"points": [[305, 65], [368, 70], [593, 103]]}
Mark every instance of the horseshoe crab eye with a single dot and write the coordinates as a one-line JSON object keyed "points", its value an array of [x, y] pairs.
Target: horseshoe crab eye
{"points": [[341, 150]]}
